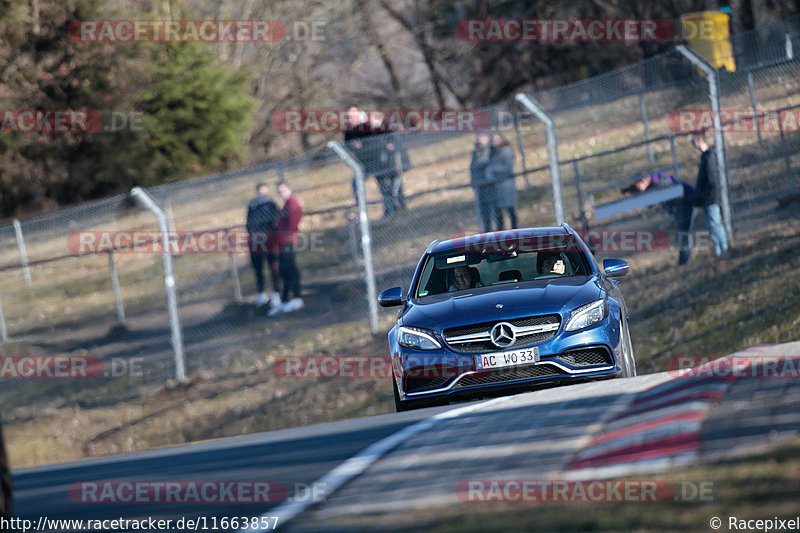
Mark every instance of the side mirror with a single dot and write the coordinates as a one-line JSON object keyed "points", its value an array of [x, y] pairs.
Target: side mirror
{"points": [[391, 297], [615, 268]]}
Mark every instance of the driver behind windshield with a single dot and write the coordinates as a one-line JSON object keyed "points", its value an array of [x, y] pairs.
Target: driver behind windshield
{"points": [[463, 278]]}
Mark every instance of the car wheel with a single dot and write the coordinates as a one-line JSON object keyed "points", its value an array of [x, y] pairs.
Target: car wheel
{"points": [[5, 481]]}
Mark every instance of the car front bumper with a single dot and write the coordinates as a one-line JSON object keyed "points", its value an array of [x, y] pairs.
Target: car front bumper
{"points": [[568, 357]]}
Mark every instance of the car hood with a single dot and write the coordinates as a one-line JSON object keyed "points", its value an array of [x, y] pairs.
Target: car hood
{"points": [[504, 302]]}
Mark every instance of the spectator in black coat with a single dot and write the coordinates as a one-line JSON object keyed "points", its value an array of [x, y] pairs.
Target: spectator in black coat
{"points": [[485, 189], [262, 218], [374, 147], [500, 170], [708, 192]]}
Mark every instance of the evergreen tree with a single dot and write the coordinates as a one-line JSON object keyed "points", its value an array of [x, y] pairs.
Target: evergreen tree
{"points": [[42, 69], [197, 112]]}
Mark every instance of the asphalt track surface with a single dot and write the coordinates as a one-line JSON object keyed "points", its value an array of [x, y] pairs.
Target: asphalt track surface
{"points": [[389, 466], [294, 458]]}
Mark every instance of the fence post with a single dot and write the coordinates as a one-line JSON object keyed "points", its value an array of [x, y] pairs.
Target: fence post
{"points": [[713, 95], [237, 286], [789, 50], [643, 111], [675, 164], [351, 229], [3, 330], [552, 153], [786, 158], [23, 253], [169, 281], [170, 216], [521, 150], [115, 287], [752, 92], [366, 238]]}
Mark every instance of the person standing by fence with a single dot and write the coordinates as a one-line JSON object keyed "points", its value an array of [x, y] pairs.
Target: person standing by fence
{"points": [[288, 225], [707, 196], [262, 217], [387, 173], [371, 145], [500, 170], [357, 131], [485, 190]]}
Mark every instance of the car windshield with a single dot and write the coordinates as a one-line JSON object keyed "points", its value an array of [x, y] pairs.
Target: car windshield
{"points": [[459, 270]]}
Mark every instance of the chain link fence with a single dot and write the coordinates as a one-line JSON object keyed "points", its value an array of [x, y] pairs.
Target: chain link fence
{"points": [[59, 298]]}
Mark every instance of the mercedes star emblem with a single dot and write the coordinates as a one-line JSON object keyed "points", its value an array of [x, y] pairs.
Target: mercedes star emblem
{"points": [[503, 335]]}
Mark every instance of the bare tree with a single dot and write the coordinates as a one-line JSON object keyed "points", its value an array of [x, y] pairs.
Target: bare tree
{"points": [[368, 27]]}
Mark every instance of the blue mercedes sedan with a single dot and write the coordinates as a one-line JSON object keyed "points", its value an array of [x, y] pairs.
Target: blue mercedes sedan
{"points": [[504, 311]]}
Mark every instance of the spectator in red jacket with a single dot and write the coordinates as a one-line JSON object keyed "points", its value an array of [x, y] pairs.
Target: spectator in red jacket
{"points": [[288, 224]]}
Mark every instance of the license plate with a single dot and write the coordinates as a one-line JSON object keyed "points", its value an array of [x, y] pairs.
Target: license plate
{"points": [[505, 359]]}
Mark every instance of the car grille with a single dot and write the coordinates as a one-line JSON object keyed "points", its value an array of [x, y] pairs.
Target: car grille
{"points": [[508, 374], [585, 357], [486, 345], [419, 384]]}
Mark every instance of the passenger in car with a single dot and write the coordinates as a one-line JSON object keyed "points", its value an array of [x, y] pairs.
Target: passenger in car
{"points": [[551, 263]]}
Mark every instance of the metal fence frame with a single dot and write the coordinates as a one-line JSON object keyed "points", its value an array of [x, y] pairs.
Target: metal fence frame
{"points": [[157, 197]]}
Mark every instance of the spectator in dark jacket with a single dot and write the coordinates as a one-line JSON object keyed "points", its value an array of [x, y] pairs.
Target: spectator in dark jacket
{"points": [[387, 166], [288, 225], [358, 129], [501, 171], [262, 216], [372, 144], [485, 190], [708, 194]]}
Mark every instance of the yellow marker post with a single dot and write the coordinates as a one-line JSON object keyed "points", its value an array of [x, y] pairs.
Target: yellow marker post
{"points": [[708, 34]]}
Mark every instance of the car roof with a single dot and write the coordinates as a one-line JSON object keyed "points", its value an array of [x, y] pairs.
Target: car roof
{"points": [[487, 240]]}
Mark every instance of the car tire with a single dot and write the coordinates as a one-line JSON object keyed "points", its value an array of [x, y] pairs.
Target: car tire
{"points": [[5, 481]]}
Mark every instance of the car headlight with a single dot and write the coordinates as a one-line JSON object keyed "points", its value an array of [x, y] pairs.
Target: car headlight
{"points": [[416, 338], [587, 315]]}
